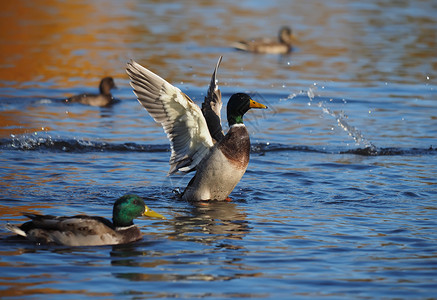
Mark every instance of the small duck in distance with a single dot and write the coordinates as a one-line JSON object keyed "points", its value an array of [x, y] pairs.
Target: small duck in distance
{"points": [[267, 45], [196, 137], [103, 99], [83, 230]]}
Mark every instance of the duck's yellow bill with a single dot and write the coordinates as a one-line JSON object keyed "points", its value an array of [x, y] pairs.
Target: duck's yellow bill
{"points": [[152, 214], [254, 104]]}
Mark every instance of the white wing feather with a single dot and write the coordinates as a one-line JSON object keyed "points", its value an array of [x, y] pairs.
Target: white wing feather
{"points": [[181, 118]]}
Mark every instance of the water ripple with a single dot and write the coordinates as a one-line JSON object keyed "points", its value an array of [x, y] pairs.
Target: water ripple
{"points": [[38, 143]]}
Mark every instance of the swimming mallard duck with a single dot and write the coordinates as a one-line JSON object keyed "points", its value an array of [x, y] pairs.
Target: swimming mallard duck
{"points": [[103, 99], [267, 45], [83, 230], [196, 136]]}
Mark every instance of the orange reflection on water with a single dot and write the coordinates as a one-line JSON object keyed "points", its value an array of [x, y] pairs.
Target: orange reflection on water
{"points": [[14, 122], [53, 41], [9, 213]]}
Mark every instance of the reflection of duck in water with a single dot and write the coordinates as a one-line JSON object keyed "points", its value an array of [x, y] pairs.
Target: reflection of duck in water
{"points": [[196, 136], [216, 224], [266, 45], [225, 218], [83, 230], [210, 221], [103, 99]]}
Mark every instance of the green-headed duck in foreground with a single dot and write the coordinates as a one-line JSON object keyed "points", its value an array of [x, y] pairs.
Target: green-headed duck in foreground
{"points": [[83, 230]]}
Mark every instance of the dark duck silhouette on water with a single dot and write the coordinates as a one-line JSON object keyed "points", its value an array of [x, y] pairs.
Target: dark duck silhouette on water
{"points": [[282, 45], [104, 98]]}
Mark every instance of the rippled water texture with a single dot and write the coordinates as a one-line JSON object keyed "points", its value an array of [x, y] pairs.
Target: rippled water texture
{"points": [[339, 200]]}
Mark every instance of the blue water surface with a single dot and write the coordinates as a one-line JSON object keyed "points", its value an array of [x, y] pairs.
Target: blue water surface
{"points": [[339, 199]]}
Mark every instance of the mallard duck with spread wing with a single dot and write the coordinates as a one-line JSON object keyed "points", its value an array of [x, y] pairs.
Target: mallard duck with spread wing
{"points": [[196, 136], [83, 230]]}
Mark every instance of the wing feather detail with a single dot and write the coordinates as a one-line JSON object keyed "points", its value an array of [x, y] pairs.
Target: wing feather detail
{"points": [[212, 105], [181, 119]]}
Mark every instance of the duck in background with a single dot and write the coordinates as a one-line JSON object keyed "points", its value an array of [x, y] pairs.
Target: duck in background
{"points": [[83, 230], [267, 45], [196, 136], [103, 99]]}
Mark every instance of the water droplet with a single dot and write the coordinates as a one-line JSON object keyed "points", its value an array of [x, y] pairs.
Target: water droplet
{"points": [[310, 94]]}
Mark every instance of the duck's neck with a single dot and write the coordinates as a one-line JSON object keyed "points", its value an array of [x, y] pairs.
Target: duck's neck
{"points": [[232, 120], [106, 93], [122, 221], [105, 90]]}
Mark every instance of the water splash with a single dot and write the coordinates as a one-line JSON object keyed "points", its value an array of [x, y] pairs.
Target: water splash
{"points": [[46, 142], [50, 144], [352, 131]]}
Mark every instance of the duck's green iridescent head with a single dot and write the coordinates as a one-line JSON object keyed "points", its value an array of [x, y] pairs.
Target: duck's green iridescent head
{"points": [[238, 105], [129, 207]]}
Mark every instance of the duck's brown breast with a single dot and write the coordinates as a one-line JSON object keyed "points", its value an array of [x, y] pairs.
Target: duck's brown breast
{"points": [[235, 146]]}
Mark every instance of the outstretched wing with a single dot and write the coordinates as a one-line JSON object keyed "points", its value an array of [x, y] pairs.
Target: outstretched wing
{"points": [[212, 106], [180, 117]]}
